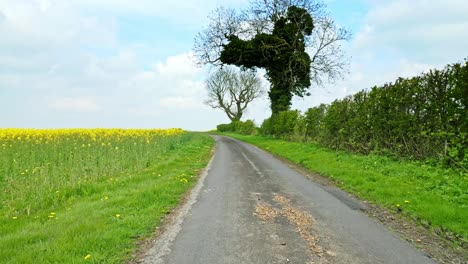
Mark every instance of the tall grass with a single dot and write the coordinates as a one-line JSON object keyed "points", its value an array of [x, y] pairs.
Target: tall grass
{"points": [[45, 168], [89, 196]]}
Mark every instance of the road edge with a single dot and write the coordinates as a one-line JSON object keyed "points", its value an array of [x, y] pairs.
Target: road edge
{"points": [[154, 249]]}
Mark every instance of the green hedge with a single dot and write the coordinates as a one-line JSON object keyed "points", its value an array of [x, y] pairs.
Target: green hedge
{"points": [[423, 117], [245, 128]]}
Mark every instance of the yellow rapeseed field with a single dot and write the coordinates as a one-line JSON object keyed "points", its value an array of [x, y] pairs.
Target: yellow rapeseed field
{"points": [[91, 195], [40, 168]]}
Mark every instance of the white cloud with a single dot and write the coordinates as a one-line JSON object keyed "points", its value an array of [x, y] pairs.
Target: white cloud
{"points": [[68, 58], [183, 12], [420, 30], [37, 25], [179, 102], [75, 104], [400, 38]]}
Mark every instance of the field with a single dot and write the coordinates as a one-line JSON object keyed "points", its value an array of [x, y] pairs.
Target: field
{"points": [[433, 196], [90, 195]]}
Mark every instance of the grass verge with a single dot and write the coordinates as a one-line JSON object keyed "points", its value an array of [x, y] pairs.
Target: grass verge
{"points": [[104, 223], [435, 197]]}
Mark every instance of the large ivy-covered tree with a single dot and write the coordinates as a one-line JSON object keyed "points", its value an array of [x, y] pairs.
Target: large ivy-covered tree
{"points": [[293, 40], [282, 53]]}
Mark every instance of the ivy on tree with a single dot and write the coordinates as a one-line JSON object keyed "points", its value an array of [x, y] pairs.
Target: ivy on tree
{"points": [[282, 53], [295, 41]]}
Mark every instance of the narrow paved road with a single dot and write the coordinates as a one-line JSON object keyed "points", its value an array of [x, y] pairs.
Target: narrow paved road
{"points": [[252, 208]]}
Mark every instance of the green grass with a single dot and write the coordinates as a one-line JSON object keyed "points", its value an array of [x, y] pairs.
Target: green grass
{"points": [[432, 195], [101, 215]]}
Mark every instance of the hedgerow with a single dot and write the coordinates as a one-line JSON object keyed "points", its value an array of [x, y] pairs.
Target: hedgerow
{"points": [[423, 117]]}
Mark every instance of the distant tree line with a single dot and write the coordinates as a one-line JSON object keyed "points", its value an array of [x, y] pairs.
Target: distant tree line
{"points": [[423, 117], [245, 128]]}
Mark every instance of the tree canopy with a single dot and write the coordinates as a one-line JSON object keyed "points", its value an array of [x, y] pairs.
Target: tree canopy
{"points": [[293, 40], [281, 53]]}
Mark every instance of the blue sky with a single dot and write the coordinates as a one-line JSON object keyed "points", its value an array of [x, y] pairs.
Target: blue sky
{"points": [[123, 63]]}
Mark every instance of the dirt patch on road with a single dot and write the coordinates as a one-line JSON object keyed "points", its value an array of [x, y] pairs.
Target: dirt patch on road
{"points": [[265, 212], [300, 219], [303, 222]]}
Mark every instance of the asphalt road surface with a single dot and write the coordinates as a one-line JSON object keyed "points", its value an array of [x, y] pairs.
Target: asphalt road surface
{"points": [[250, 207]]}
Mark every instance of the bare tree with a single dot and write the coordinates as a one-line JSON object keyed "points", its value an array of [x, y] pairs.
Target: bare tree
{"points": [[209, 43], [232, 90], [328, 61]]}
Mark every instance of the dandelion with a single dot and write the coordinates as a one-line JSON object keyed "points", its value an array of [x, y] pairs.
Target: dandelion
{"points": [[406, 201], [117, 215], [53, 213], [398, 205], [15, 217], [87, 256]]}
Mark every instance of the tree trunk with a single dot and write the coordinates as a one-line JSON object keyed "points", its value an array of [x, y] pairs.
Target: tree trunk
{"points": [[280, 97]]}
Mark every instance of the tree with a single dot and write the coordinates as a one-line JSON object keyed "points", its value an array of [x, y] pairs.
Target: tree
{"points": [[265, 27], [232, 90], [281, 53]]}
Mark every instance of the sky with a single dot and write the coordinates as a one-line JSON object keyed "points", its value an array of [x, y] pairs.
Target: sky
{"points": [[129, 63]]}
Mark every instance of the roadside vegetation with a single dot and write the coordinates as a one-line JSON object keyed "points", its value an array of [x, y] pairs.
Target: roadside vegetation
{"points": [[89, 196]]}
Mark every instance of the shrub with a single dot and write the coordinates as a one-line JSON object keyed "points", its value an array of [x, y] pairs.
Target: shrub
{"points": [[246, 128], [282, 125]]}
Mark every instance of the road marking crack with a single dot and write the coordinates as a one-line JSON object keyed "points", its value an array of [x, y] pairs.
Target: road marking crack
{"points": [[253, 165]]}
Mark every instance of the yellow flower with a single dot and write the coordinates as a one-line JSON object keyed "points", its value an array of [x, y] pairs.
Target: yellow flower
{"points": [[106, 197], [52, 213], [117, 215], [15, 217], [406, 201], [87, 256], [398, 205]]}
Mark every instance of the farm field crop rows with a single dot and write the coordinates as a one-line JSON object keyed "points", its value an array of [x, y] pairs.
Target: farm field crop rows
{"points": [[89, 195]]}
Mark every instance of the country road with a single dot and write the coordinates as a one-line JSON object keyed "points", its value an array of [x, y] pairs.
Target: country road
{"points": [[252, 208]]}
